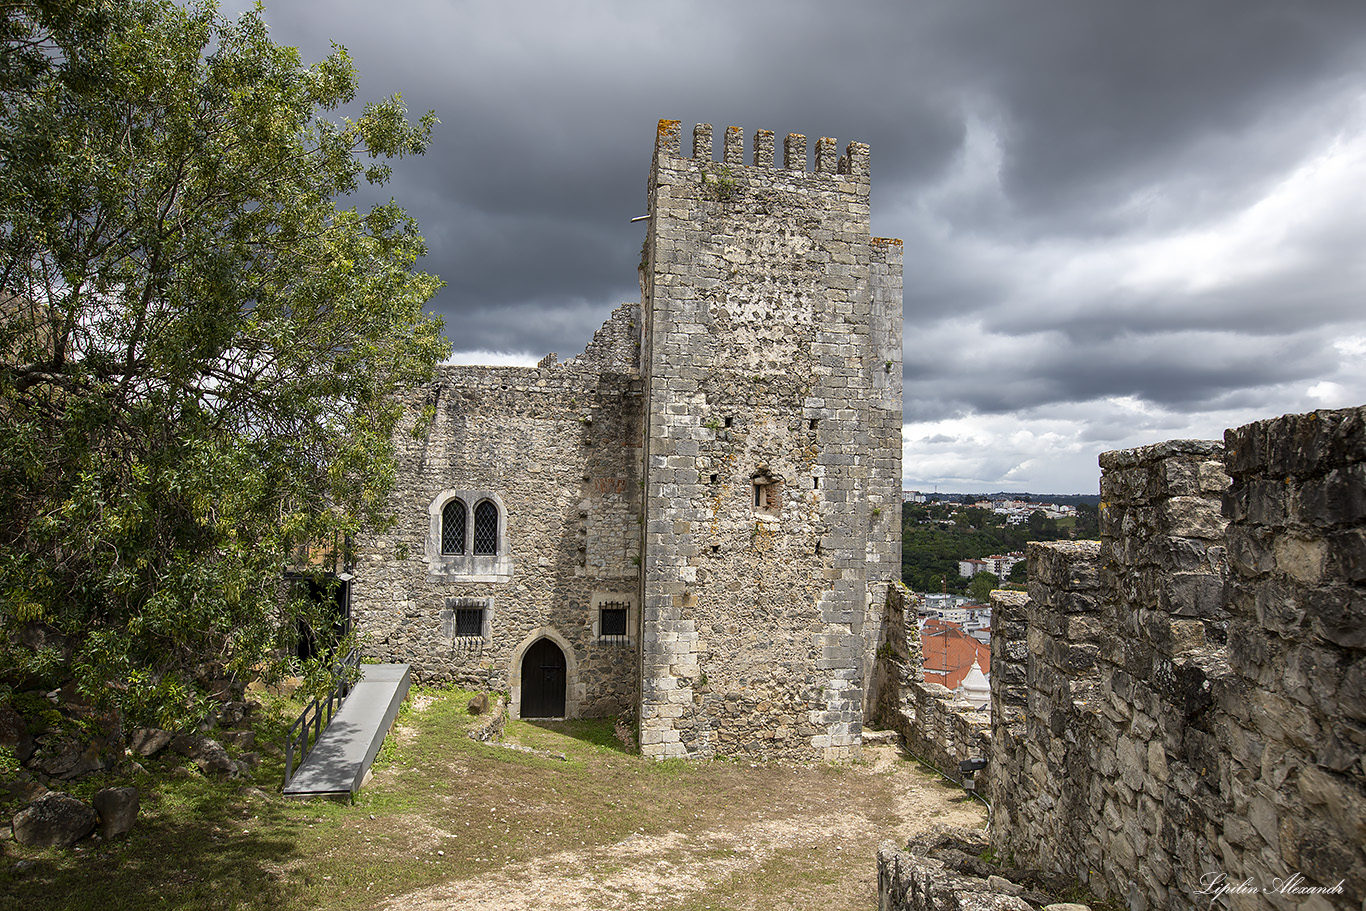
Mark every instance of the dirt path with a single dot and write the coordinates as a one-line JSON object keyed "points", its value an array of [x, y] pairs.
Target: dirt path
{"points": [[786, 850]]}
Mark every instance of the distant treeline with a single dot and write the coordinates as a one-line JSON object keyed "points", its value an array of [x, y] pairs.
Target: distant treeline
{"points": [[936, 536], [1061, 499]]}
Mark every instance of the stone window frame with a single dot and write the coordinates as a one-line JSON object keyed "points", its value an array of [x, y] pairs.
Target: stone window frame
{"points": [[449, 622], [598, 600], [467, 566]]}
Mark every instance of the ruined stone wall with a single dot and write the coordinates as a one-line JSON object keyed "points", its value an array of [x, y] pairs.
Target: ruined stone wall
{"points": [[771, 352], [615, 347], [1292, 714], [559, 449], [911, 881], [1184, 700]]}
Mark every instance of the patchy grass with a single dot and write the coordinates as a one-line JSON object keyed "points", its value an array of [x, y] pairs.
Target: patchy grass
{"points": [[449, 822]]}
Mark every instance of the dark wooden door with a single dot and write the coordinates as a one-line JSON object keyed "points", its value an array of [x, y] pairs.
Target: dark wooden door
{"points": [[543, 680]]}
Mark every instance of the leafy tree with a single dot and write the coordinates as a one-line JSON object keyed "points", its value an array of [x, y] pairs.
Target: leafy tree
{"points": [[1088, 521], [1042, 526], [1019, 572], [982, 585], [977, 517], [197, 344]]}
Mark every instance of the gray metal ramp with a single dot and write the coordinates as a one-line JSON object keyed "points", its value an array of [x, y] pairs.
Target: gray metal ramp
{"points": [[337, 764]]}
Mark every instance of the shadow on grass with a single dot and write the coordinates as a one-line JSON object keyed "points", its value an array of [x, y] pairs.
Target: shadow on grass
{"points": [[211, 862], [600, 732]]}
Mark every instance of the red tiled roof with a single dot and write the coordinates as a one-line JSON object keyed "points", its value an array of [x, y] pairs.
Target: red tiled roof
{"points": [[949, 652]]}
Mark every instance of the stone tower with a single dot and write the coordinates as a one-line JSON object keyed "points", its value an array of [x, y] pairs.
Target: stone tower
{"points": [[771, 361]]}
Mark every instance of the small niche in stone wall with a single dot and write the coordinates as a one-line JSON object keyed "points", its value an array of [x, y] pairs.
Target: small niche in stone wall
{"points": [[768, 493]]}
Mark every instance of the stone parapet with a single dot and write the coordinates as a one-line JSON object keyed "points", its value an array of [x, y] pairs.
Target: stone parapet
{"points": [[1192, 683], [1292, 711]]}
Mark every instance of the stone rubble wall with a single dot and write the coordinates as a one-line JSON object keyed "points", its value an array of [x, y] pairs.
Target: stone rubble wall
{"points": [[1292, 714], [1187, 698], [771, 348], [615, 347], [560, 447]]}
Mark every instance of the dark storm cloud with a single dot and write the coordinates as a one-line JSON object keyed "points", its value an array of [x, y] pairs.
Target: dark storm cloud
{"points": [[1149, 203]]}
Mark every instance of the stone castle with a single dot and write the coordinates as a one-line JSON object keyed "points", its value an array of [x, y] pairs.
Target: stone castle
{"points": [[698, 518], [697, 521]]}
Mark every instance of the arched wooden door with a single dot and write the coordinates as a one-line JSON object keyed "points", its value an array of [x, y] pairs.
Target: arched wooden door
{"points": [[543, 680]]}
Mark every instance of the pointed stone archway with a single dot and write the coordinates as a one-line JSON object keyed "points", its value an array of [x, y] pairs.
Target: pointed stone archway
{"points": [[544, 677], [543, 680]]}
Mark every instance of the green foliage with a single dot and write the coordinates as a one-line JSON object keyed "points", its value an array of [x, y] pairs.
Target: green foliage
{"points": [[1042, 526], [719, 184], [1088, 522], [1019, 572], [930, 551], [198, 344], [981, 586]]}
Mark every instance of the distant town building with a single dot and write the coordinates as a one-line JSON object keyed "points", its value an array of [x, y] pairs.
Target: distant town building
{"points": [[975, 688], [999, 564], [977, 618], [936, 603], [969, 568]]}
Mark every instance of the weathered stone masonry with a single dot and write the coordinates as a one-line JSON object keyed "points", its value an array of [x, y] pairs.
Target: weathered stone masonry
{"points": [[1187, 697], [726, 455], [558, 448], [772, 354]]}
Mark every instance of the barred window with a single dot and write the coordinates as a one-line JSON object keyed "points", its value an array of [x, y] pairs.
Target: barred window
{"points": [[453, 527], [469, 622], [486, 528], [612, 621]]}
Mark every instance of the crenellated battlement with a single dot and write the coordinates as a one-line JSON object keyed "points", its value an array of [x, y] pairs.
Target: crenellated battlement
{"points": [[854, 162]]}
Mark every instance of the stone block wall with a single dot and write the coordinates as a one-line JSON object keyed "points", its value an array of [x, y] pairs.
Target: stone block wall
{"points": [[772, 359], [1292, 710], [559, 449], [1044, 714], [1184, 700]]}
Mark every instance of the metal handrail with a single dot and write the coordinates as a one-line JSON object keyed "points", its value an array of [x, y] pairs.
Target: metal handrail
{"points": [[341, 687]]}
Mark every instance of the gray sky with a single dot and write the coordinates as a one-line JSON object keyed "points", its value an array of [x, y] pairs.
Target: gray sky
{"points": [[1123, 222]]}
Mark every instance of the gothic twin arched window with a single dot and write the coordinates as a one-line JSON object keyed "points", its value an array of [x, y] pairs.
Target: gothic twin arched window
{"points": [[455, 524]]}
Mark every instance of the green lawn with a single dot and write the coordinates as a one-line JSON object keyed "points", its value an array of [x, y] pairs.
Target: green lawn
{"points": [[444, 809]]}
